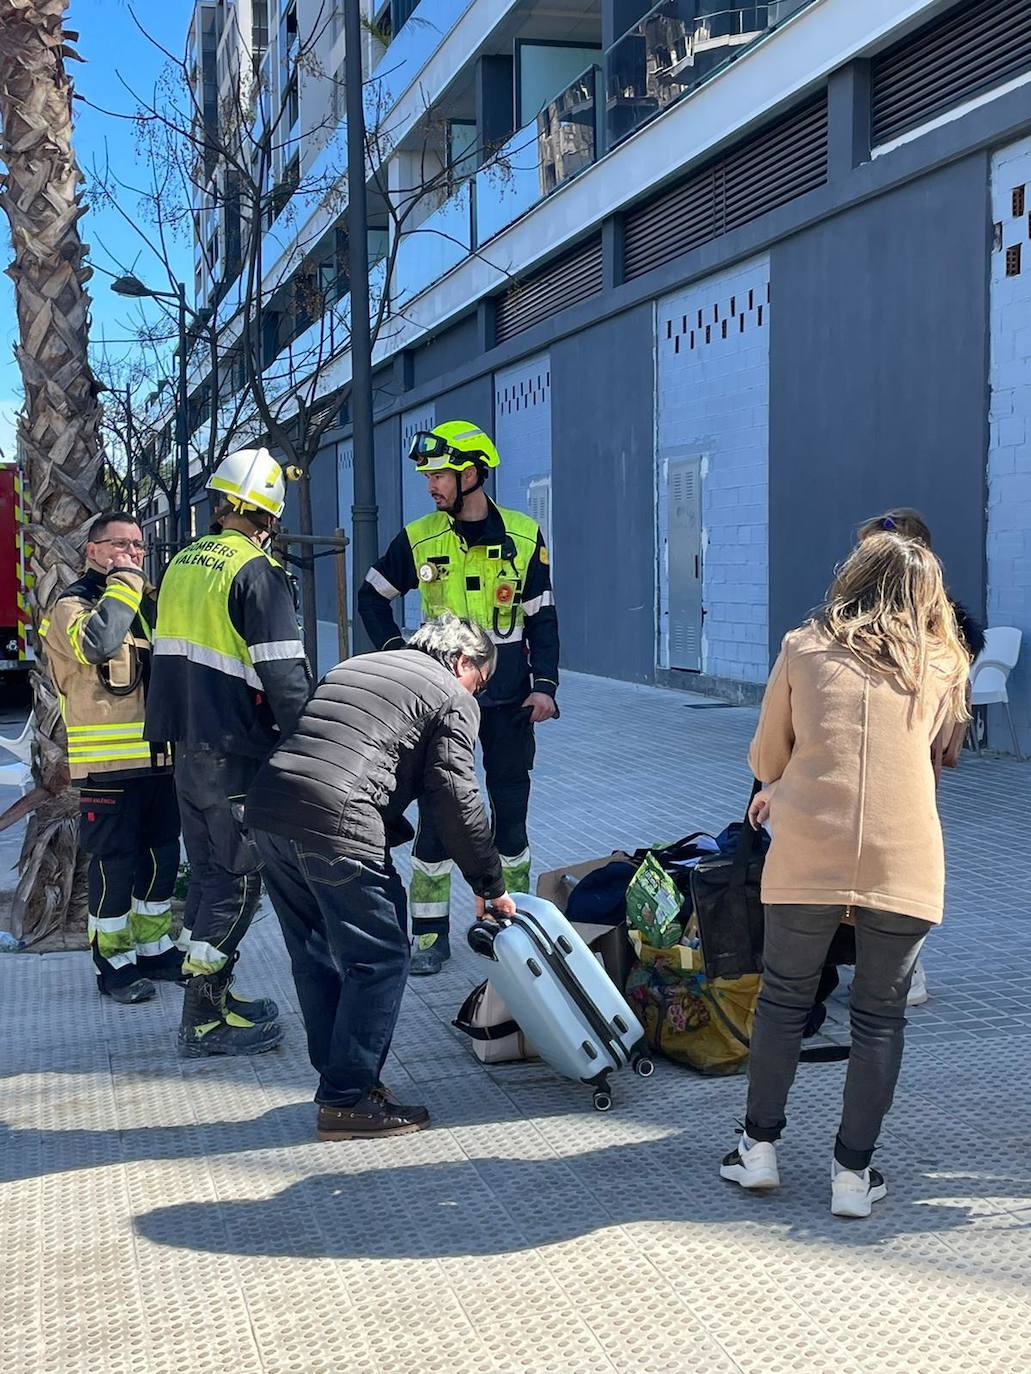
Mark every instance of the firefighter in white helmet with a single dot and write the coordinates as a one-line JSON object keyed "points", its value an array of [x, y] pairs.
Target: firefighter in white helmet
{"points": [[230, 679]]}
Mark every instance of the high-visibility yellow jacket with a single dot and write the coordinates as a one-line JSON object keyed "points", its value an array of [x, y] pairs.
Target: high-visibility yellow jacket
{"points": [[496, 573], [97, 640], [229, 667]]}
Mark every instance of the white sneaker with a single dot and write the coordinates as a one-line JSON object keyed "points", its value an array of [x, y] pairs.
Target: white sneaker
{"points": [[918, 987], [853, 1193], [753, 1164]]}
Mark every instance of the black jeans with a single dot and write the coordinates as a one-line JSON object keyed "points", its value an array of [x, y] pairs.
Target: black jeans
{"points": [[796, 945], [507, 741], [130, 829], [346, 930], [224, 881]]}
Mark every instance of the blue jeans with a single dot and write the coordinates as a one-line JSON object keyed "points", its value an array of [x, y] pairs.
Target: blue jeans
{"points": [[797, 941], [345, 924]]}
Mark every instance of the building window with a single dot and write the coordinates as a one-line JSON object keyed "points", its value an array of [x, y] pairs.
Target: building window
{"points": [[259, 28], [401, 11]]}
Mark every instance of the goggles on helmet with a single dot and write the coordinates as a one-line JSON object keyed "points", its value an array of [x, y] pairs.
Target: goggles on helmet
{"points": [[432, 453]]}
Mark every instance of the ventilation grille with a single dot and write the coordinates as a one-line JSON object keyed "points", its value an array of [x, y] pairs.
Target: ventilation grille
{"points": [[769, 169], [969, 50], [572, 278]]}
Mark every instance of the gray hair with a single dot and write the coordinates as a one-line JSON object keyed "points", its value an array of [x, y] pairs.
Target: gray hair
{"points": [[449, 638]]}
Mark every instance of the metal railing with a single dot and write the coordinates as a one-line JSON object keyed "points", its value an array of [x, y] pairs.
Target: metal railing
{"points": [[676, 47], [541, 156]]}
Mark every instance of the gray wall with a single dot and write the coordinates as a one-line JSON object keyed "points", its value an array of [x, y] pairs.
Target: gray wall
{"points": [[387, 438], [603, 512], [473, 402], [451, 349], [324, 521], [324, 504], [878, 383]]}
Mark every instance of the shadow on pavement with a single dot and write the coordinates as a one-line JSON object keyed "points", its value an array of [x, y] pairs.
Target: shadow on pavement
{"points": [[487, 1206]]}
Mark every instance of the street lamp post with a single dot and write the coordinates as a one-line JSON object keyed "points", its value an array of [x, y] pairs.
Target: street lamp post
{"points": [[182, 411], [364, 512], [132, 286]]}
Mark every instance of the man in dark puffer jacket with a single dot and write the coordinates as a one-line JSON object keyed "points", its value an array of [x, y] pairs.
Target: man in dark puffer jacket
{"points": [[325, 811]]}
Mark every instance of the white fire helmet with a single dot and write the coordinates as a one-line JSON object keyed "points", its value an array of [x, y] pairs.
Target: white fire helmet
{"points": [[252, 480]]}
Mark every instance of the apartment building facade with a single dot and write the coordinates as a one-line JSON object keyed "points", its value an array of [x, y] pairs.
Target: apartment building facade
{"points": [[723, 279]]}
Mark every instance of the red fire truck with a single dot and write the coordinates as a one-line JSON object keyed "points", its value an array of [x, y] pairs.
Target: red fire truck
{"points": [[16, 636]]}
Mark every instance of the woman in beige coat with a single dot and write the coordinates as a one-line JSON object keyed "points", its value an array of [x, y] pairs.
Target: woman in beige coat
{"points": [[854, 702]]}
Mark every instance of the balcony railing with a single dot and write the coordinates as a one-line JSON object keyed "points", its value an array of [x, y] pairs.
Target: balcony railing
{"points": [[429, 252], [414, 43], [567, 131], [539, 157], [675, 48], [324, 339]]}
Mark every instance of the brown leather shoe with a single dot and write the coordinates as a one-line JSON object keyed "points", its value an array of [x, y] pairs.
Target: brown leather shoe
{"points": [[374, 1115]]}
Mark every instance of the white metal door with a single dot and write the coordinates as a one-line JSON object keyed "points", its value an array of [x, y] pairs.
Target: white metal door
{"points": [[685, 563]]}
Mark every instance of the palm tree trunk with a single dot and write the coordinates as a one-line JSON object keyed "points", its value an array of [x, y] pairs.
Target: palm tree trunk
{"points": [[59, 429]]}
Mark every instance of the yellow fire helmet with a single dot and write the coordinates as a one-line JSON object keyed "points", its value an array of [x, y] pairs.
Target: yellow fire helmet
{"points": [[251, 479], [452, 447]]}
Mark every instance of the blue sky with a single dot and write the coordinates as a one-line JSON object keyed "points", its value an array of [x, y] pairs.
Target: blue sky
{"points": [[116, 54]]}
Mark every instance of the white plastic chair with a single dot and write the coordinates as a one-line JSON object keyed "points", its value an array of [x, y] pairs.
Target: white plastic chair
{"points": [[989, 674], [21, 747], [19, 773]]}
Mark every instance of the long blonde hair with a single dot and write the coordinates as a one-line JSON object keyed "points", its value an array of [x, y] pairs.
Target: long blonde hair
{"points": [[888, 606]]}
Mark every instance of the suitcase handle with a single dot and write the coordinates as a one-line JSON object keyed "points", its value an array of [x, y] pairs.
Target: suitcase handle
{"points": [[481, 938]]}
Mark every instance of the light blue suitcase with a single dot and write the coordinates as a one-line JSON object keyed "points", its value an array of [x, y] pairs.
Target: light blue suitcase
{"points": [[560, 995]]}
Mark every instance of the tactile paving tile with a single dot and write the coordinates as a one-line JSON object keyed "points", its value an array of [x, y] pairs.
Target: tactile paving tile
{"points": [[158, 1216]]}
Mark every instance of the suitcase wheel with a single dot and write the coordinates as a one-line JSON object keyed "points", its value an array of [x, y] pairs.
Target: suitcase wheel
{"points": [[602, 1100], [642, 1066]]}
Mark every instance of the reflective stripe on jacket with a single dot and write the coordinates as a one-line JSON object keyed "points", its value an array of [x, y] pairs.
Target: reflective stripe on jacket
{"points": [[97, 640], [502, 581], [229, 666]]}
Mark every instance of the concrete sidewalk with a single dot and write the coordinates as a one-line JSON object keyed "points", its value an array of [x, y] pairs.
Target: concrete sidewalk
{"points": [[159, 1216]]}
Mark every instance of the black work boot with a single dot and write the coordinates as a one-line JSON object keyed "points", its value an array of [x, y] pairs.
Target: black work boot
{"points": [[163, 968], [129, 994], [257, 1010], [374, 1115], [430, 955], [209, 1028]]}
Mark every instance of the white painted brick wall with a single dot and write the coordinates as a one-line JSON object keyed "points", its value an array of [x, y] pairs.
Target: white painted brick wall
{"points": [[713, 399], [522, 423], [1009, 453]]}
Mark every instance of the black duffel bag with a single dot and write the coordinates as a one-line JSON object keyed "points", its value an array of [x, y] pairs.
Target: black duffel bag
{"points": [[725, 893]]}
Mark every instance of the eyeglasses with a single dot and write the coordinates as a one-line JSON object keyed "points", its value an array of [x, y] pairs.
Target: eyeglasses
{"points": [[481, 684], [122, 545]]}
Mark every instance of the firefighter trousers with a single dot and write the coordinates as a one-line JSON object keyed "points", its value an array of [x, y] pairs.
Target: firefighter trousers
{"points": [[224, 882], [130, 830], [507, 742]]}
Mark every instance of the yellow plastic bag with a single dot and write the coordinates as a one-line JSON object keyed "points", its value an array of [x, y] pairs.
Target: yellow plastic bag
{"points": [[704, 1023]]}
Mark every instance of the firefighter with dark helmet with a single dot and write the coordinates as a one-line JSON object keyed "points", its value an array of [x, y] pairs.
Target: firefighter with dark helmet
{"points": [[97, 640], [230, 680], [480, 561]]}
